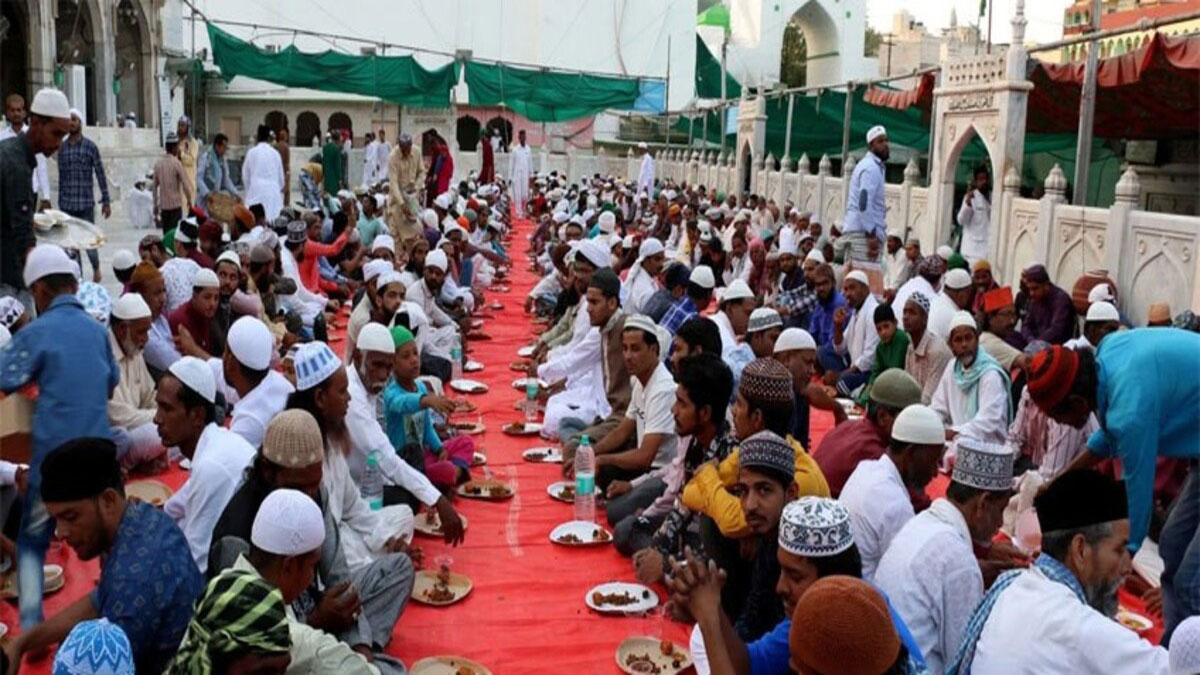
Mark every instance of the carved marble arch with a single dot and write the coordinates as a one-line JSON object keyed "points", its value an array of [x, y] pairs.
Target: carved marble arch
{"points": [[1022, 250], [1082, 249], [832, 210], [959, 132], [1161, 264]]}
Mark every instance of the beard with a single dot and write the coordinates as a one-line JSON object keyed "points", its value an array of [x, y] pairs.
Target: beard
{"points": [[1103, 597]]}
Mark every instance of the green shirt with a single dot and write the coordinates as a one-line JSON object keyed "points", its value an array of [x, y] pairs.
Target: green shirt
{"points": [[887, 355], [331, 166], [368, 229]]}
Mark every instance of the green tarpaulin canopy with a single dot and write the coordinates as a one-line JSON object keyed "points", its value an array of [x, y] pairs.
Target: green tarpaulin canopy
{"points": [[708, 75], [717, 15], [398, 79], [548, 96]]}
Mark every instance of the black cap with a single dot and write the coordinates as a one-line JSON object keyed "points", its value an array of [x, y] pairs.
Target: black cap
{"points": [[80, 469], [1080, 498]]}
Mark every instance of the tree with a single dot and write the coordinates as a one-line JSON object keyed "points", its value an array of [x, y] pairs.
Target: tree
{"points": [[872, 41], [794, 61]]}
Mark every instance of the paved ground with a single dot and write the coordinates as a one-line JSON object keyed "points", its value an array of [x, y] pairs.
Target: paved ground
{"points": [[120, 235]]}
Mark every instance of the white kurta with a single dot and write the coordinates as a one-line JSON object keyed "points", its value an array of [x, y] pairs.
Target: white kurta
{"points": [[363, 531], [254, 412], [879, 506], [990, 423], [441, 331], [932, 579], [912, 285], [304, 302], [898, 268], [941, 312], [520, 167], [584, 397], [262, 177], [217, 467], [640, 286], [645, 181], [975, 216], [860, 338], [1039, 626]]}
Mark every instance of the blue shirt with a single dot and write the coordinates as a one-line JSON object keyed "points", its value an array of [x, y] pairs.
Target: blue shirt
{"points": [[66, 353], [76, 164], [820, 324], [407, 422], [866, 205], [1148, 406], [769, 654], [148, 583], [679, 314]]}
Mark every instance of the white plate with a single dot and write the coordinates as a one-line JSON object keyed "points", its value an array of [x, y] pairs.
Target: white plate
{"points": [[646, 599], [472, 366], [3, 630], [554, 490], [528, 429], [581, 529], [526, 351], [468, 386], [58, 216], [651, 648], [44, 222], [520, 382], [476, 324], [549, 454], [478, 459]]}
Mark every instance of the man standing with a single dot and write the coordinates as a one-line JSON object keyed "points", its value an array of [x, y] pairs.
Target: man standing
{"points": [[171, 187], [974, 395], [1070, 592], [1142, 387], [75, 378], [14, 114], [132, 405], [263, 175], [487, 167], [48, 124], [645, 181], [214, 173], [331, 164], [283, 147], [187, 419], [865, 202], [189, 153], [148, 580], [975, 217], [930, 572], [520, 168], [78, 160], [406, 176], [927, 353], [879, 493]]}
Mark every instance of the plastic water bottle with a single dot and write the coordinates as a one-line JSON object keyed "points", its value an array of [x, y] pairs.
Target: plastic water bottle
{"points": [[531, 404], [585, 481], [456, 359], [372, 482]]}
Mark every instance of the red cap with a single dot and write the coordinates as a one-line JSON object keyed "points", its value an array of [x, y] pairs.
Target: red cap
{"points": [[1051, 374], [997, 298]]}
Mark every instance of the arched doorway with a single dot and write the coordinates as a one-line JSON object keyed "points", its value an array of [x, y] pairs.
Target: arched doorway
{"points": [[131, 80], [308, 127], [14, 55], [339, 121], [467, 133], [747, 165], [76, 27], [506, 131], [427, 141], [276, 121], [970, 153]]}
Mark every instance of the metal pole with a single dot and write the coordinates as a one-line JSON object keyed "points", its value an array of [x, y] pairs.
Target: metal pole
{"points": [[721, 111], [667, 92], [704, 130], [846, 131], [691, 128], [787, 132], [1087, 111], [989, 35]]}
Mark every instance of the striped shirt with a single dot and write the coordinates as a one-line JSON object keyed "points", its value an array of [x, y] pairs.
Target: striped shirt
{"points": [[77, 161]]}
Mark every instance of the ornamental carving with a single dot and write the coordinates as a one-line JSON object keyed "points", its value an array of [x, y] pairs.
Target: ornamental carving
{"points": [[980, 101]]}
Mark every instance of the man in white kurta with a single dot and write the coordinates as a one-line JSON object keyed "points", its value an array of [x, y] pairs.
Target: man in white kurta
{"points": [[859, 337], [441, 332], [131, 405], [645, 182], [303, 302], [641, 282], [975, 217], [263, 176], [520, 168], [973, 396]]}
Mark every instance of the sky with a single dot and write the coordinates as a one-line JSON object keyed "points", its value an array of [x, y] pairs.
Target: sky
{"points": [[1043, 17]]}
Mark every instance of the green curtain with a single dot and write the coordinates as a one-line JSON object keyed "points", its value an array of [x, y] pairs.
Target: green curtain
{"points": [[708, 75], [547, 96], [397, 79]]}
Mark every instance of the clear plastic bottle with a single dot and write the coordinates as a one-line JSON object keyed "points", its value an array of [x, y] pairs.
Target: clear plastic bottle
{"points": [[372, 482], [531, 404], [585, 481], [456, 354]]}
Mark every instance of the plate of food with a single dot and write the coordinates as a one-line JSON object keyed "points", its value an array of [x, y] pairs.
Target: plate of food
{"points": [[526, 351], [501, 289], [440, 587], [621, 597], [478, 459], [522, 428], [563, 491], [519, 404], [496, 305], [470, 428], [429, 524], [1133, 621], [580, 533], [520, 366], [468, 386], [642, 655], [476, 324], [472, 366], [544, 454], [53, 579], [520, 382], [153, 492], [486, 489], [462, 405], [448, 665]]}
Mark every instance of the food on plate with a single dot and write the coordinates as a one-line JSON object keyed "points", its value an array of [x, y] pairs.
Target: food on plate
{"points": [[613, 599], [465, 671], [642, 663], [600, 534], [439, 593], [570, 538], [431, 518], [535, 456], [568, 492], [666, 647], [443, 574]]}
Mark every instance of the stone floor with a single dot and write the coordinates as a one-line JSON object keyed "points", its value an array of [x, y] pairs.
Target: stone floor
{"points": [[121, 234]]}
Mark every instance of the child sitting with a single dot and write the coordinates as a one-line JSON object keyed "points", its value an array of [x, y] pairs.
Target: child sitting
{"points": [[893, 345]]}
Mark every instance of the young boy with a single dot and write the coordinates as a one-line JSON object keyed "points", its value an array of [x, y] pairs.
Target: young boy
{"points": [[407, 406], [893, 345]]}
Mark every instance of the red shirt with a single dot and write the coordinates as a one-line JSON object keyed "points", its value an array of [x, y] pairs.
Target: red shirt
{"points": [[844, 447], [310, 272], [196, 323]]}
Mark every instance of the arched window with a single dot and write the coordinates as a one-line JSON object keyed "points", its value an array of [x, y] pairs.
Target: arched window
{"points": [[308, 127], [340, 120], [276, 120], [467, 133], [506, 131]]}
